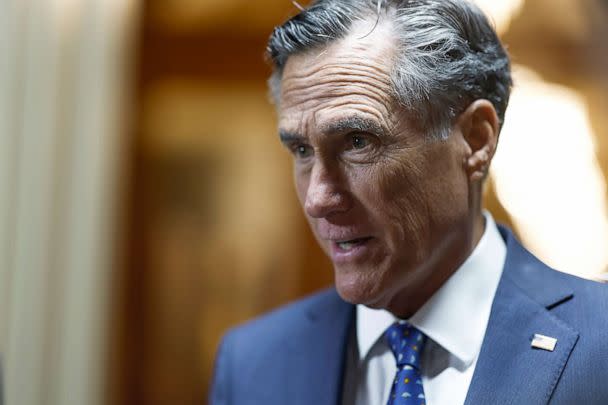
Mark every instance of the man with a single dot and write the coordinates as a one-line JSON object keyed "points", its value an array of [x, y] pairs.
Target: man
{"points": [[392, 112]]}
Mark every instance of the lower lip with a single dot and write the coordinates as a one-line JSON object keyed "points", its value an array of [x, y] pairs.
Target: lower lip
{"points": [[357, 252]]}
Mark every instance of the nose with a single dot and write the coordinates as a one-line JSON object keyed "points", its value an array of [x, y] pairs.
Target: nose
{"points": [[325, 195]]}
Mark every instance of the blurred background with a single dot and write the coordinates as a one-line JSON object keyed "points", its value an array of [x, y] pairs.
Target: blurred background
{"points": [[146, 205]]}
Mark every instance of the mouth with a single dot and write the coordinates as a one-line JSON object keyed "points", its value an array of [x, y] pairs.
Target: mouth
{"points": [[348, 245]]}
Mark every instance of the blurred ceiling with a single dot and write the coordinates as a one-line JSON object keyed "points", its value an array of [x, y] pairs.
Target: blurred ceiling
{"points": [[210, 15], [567, 18]]}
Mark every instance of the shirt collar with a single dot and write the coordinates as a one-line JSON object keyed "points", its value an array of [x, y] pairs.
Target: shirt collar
{"points": [[456, 316]]}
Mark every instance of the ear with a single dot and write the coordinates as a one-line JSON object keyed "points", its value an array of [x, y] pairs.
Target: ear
{"points": [[480, 128]]}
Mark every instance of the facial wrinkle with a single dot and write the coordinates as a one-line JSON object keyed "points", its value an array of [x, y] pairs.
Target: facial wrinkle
{"points": [[321, 106], [344, 74], [351, 88], [343, 86], [348, 65]]}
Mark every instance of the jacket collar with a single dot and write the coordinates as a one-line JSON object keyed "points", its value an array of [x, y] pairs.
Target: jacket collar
{"points": [[509, 370]]}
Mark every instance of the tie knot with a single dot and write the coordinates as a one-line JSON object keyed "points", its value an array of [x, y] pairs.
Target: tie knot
{"points": [[406, 343]]}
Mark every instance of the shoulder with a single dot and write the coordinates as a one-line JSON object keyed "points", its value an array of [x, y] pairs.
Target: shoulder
{"points": [[265, 343], [544, 284], [587, 307], [286, 320], [580, 303], [578, 293], [589, 290], [283, 319]]}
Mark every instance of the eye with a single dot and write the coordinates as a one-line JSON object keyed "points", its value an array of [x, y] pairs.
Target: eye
{"points": [[302, 151], [357, 141]]}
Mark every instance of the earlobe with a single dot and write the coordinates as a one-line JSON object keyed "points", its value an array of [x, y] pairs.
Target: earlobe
{"points": [[479, 124], [477, 166]]}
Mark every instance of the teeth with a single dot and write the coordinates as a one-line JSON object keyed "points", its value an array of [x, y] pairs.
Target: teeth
{"points": [[350, 244], [346, 245]]}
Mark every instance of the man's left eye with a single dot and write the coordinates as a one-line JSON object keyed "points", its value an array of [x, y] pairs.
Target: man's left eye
{"points": [[358, 141]]}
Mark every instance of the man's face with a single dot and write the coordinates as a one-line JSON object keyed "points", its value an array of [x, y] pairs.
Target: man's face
{"points": [[386, 202]]}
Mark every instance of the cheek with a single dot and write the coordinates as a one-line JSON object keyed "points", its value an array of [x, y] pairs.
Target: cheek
{"points": [[301, 182], [447, 186], [397, 202]]}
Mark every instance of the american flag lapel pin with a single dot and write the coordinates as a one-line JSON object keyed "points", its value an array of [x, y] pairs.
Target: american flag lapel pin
{"points": [[543, 342]]}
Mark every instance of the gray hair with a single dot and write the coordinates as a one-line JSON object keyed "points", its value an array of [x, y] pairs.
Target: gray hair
{"points": [[448, 55]]}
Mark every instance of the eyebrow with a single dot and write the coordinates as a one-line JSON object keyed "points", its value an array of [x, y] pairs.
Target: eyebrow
{"points": [[355, 123], [288, 137], [352, 123]]}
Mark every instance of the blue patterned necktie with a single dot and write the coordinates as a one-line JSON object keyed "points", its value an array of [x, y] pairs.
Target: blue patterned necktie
{"points": [[406, 343]]}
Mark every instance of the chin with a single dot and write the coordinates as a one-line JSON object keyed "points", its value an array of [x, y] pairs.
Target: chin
{"points": [[355, 289]]}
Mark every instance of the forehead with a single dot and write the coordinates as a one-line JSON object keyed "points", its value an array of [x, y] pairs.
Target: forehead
{"points": [[348, 77]]}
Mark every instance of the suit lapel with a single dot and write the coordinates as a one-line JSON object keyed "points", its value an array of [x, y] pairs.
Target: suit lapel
{"points": [[509, 370], [318, 359]]}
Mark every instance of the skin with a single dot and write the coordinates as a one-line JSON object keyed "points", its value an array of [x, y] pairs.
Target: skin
{"points": [[362, 170]]}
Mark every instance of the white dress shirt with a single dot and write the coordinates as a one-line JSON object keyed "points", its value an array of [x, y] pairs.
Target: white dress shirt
{"points": [[454, 320]]}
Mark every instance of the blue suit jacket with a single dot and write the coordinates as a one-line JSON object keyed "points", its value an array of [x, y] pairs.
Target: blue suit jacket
{"points": [[296, 355]]}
